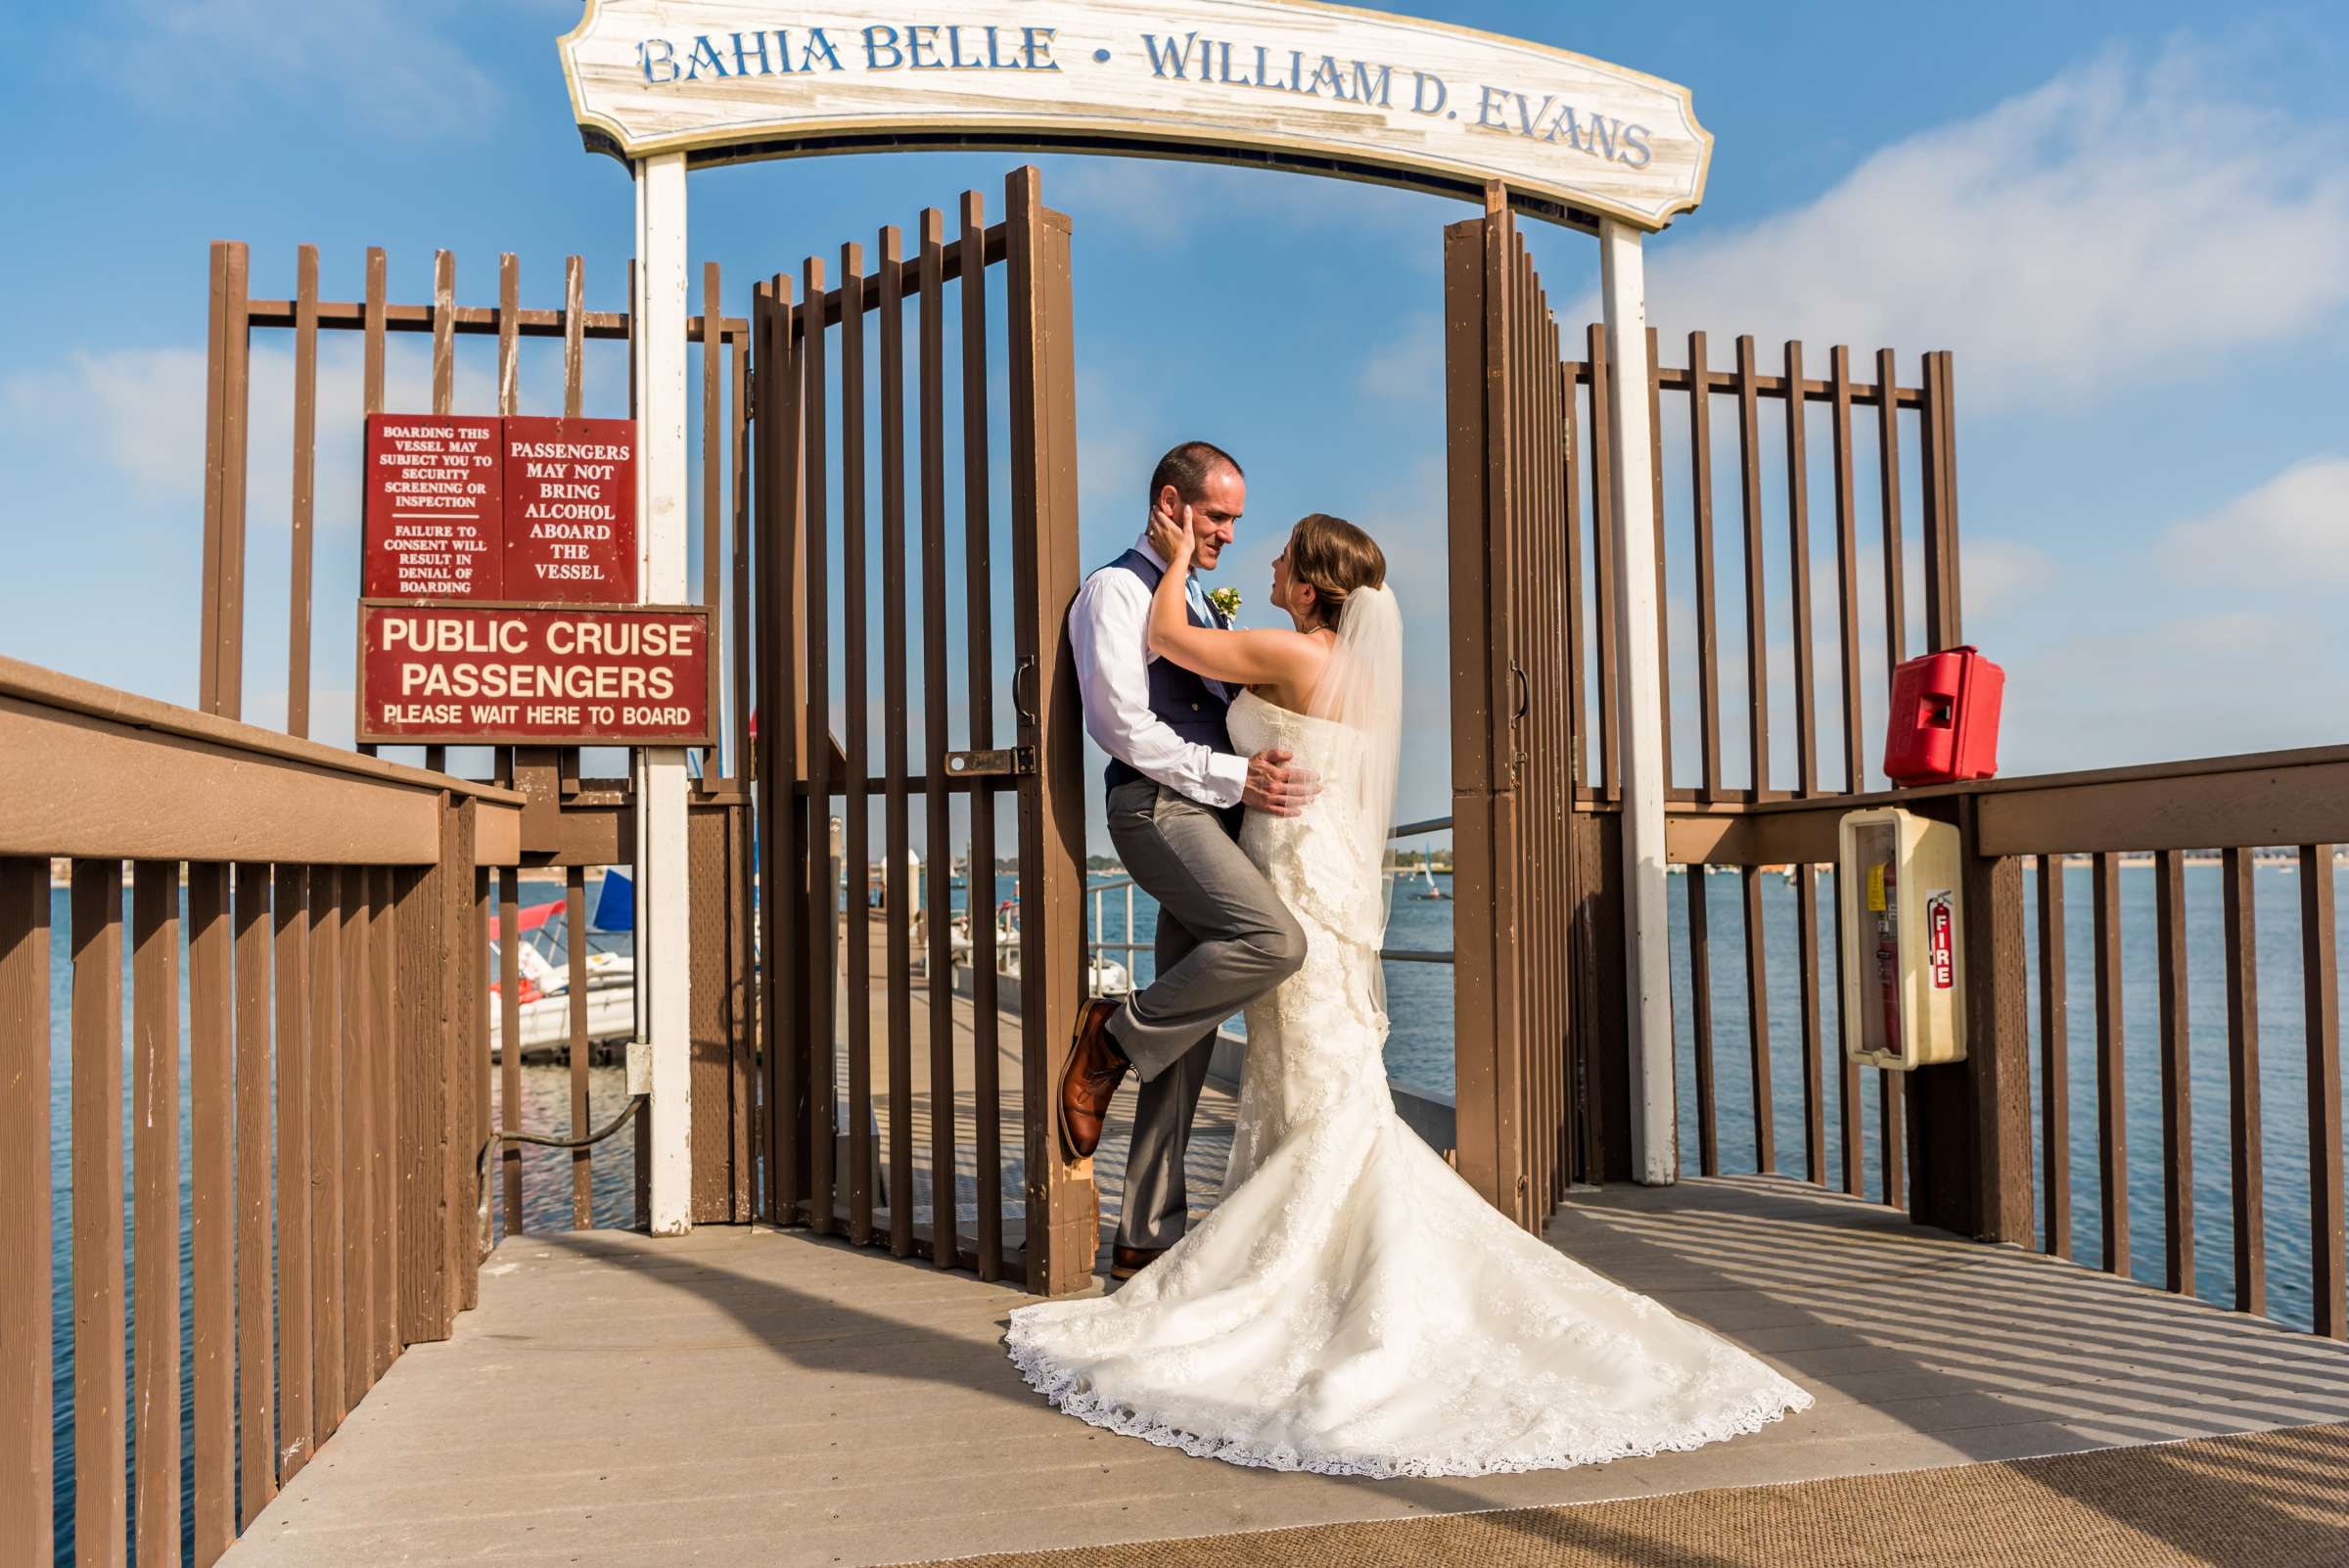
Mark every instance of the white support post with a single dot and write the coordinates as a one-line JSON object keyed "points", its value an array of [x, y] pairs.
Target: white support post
{"points": [[663, 962], [1639, 700]]}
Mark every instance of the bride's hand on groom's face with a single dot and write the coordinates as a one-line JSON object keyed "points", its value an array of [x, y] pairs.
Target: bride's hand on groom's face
{"points": [[1172, 535], [1276, 786]]}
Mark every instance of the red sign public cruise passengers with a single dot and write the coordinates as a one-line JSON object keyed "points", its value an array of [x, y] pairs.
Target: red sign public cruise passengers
{"points": [[533, 674]]}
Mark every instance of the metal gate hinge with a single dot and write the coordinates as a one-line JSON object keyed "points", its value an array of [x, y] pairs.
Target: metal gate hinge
{"points": [[1016, 761]]}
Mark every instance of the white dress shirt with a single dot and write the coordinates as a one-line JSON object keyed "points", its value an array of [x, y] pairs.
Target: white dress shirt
{"points": [[1109, 637]]}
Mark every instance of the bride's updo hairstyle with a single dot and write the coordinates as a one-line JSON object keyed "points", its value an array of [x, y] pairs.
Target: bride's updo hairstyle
{"points": [[1335, 558]]}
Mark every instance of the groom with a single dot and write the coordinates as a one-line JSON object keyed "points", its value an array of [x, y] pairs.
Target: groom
{"points": [[1176, 789]]}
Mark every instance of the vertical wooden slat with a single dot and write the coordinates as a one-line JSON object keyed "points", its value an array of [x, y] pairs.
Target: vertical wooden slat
{"points": [[444, 379], [897, 884], [1937, 452], [305, 468], [100, 1445], [383, 1160], [27, 1482], [1700, 1019], [154, 1161], [212, 1069], [795, 845], [2054, 1063], [1757, 601], [371, 362], [1579, 674], [2177, 1106], [355, 1050], [1655, 470], [2112, 1106], [256, 1375], [1892, 1135], [1756, 1017], [1798, 544], [292, 914], [575, 359], [326, 1154], [1888, 465], [2321, 992], [470, 1071], [822, 916], [1506, 525], [1805, 949], [739, 415], [575, 933], [714, 473], [2245, 1170], [228, 402], [1602, 550], [1846, 570], [509, 1039], [934, 922], [1063, 1218], [1475, 776], [1847, 1098], [771, 326], [1708, 641], [431, 1011], [1534, 909], [980, 661], [856, 851]]}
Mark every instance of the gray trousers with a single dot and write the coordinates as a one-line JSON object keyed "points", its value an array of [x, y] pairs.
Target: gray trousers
{"points": [[1224, 938]]}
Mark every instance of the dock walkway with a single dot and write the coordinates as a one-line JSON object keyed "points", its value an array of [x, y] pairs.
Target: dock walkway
{"points": [[749, 1396]]}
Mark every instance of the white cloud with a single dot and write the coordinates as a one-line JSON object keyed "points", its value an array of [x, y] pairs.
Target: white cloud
{"points": [[1997, 575], [142, 413], [2292, 529], [141, 410], [383, 63], [2124, 221]]}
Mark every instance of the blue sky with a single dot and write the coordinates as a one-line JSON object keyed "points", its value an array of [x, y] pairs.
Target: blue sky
{"points": [[2128, 224]]}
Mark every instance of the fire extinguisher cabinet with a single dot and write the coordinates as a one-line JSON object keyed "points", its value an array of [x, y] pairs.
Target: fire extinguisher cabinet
{"points": [[1904, 955]]}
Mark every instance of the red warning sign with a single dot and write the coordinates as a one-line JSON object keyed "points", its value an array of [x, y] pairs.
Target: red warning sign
{"points": [[571, 510], [433, 526]]}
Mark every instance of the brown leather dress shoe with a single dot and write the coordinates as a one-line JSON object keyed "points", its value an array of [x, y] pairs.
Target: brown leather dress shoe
{"points": [[1096, 1067], [1126, 1262]]}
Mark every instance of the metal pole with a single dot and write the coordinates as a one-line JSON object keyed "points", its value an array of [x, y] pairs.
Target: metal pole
{"points": [[662, 957], [1640, 701]]}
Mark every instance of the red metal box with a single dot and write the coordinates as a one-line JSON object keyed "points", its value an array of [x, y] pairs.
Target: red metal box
{"points": [[1944, 719]]}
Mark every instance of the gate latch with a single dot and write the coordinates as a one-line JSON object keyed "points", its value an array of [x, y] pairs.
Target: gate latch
{"points": [[1015, 762]]}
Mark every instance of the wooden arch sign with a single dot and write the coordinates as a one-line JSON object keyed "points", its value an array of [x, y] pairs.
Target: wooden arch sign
{"points": [[1286, 83]]}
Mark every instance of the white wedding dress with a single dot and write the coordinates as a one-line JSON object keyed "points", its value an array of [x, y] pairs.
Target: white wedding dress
{"points": [[1351, 1307]]}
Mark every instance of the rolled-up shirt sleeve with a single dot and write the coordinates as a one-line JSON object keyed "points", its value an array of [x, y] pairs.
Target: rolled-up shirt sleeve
{"points": [[1107, 638]]}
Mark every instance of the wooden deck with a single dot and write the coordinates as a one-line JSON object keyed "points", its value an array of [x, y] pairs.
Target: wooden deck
{"points": [[748, 1396]]}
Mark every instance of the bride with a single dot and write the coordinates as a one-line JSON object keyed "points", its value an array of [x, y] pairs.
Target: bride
{"points": [[1353, 1307]]}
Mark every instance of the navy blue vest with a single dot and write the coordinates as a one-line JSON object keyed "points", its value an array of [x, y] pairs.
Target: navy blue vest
{"points": [[1185, 701]]}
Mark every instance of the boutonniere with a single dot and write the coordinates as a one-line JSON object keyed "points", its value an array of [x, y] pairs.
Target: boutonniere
{"points": [[1225, 600]]}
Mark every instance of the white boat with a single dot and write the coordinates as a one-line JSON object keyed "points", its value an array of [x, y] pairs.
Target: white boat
{"points": [[1106, 977], [545, 962], [1427, 877]]}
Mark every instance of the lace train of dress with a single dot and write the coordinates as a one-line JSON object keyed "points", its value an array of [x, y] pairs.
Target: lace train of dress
{"points": [[1353, 1307]]}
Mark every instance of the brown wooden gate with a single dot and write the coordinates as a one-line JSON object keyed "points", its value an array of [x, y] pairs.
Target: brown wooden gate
{"points": [[1516, 574], [892, 1099]]}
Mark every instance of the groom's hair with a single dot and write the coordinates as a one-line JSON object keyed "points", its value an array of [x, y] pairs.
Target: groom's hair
{"points": [[1188, 467]]}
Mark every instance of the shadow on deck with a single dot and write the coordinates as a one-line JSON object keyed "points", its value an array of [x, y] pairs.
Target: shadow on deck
{"points": [[747, 1395]]}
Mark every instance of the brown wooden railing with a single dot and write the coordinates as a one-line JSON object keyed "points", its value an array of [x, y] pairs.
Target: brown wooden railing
{"points": [[330, 932], [1964, 1140]]}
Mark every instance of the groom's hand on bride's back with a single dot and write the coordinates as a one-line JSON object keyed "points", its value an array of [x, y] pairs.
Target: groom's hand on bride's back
{"points": [[1275, 786]]}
